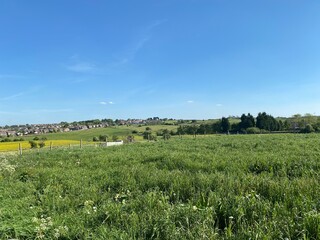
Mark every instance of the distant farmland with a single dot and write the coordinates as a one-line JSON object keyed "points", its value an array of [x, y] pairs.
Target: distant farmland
{"points": [[87, 135]]}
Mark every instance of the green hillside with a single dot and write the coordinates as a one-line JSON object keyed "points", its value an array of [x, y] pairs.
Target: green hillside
{"points": [[87, 135]]}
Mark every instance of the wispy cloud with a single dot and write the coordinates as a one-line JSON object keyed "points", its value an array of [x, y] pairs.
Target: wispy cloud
{"points": [[13, 96], [36, 111], [156, 23], [82, 67], [142, 39], [9, 76], [128, 54], [131, 52], [219, 105], [20, 94], [190, 101], [76, 64]]}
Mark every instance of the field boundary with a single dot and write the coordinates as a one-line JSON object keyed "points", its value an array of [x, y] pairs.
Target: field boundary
{"points": [[20, 149]]}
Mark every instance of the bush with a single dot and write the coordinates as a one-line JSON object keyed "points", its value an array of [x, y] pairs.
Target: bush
{"points": [[166, 136], [33, 144], [149, 136], [253, 130], [103, 138], [42, 144], [18, 140], [36, 138], [115, 138], [264, 131], [308, 129], [6, 140], [95, 139]]}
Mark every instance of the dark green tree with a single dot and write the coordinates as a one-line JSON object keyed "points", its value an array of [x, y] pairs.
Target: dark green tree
{"points": [[267, 122], [247, 121], [225, 125]]}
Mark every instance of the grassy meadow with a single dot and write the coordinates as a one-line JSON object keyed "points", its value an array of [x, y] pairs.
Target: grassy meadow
{"points": [[87, 135], [215, 187]]}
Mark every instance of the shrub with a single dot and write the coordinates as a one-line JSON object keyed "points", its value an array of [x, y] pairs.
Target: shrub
{"points": [[166, 136], [33, 144], [18, 139], [308, 129], [253, 130], [6, 140], [42, 144], [36, 138], [103, 138], [95, 139]]}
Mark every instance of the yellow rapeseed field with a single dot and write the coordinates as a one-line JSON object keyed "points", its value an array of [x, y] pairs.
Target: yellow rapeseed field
{"points": [[14, 146]]}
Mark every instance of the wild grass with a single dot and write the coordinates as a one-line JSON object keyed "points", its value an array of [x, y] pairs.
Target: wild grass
{"points": [[218, 187]]}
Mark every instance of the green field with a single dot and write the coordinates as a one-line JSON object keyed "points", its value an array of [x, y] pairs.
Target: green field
{"points": [[87, 135], [215, 187]]}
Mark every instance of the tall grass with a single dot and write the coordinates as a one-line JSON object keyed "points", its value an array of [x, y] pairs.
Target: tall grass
{"points": [[219, 187]]}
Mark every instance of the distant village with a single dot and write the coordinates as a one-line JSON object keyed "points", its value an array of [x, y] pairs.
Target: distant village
{"points": [[28, 129]]}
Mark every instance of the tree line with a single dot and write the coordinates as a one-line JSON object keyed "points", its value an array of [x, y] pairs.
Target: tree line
{"points": [[263, 123]]}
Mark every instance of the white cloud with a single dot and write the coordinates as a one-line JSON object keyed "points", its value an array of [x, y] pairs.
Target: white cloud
{"points": [[190, 101], [105, 103], [82, 67], [219, 105]]}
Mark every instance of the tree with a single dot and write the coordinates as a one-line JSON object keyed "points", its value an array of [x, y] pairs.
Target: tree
{"points": [[180, 130], [103, 138], [247, 121], [148, 136], [267, 122], [308, 129], [216, 127], [225, 125], [166, 134]]}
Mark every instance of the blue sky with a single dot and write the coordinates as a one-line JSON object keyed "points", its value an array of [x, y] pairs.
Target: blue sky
{"points": [[70, 60]]}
